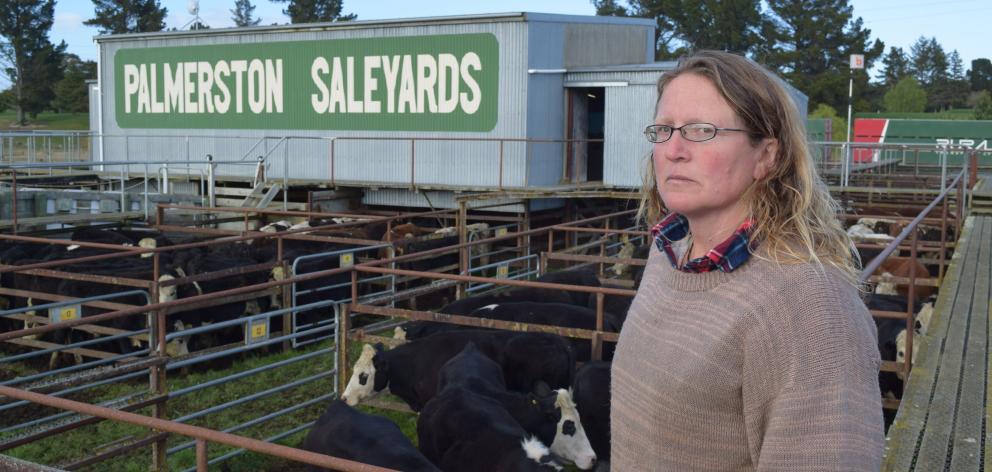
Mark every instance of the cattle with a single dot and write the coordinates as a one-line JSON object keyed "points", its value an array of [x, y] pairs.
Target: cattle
{"points": [[581, 277], [350, 434], [549, 415], [903, 268], [190, 263], [419, 329], [411, 370], [460, 430], [592, 397], [555, 314]]}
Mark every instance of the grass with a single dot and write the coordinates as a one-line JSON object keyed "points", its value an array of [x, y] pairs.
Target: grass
{"points": [[67, 447], [46, 121]]}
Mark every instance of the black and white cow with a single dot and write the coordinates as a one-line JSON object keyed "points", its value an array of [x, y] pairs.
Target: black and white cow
{"points": [[411, 370], [350, 434], [555, 314], [549, 415], [460, 430], [592, 397]]}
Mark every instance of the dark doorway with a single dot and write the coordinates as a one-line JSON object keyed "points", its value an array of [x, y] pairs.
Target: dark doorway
{"points": [[586, 116]]}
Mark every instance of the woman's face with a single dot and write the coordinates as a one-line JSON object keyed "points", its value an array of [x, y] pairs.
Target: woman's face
{"points": [[706, 179]]}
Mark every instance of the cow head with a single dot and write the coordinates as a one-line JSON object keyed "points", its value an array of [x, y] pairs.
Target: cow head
{"points": [[901, 352], [168, 293], [364, 380], [570, 441], [538, 452], [923, 318], [147, 243]]}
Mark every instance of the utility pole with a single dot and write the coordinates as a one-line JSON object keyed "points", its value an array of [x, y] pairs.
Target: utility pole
{"points": [[857, 62]]}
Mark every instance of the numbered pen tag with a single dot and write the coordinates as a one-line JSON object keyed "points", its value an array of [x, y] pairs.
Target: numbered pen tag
{"points": [[502, 271], [64, 313], [346, 259], [257, 331], [501, 231]]}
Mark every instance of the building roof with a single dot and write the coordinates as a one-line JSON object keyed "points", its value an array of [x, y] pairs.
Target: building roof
{"points": [[393, 22]]}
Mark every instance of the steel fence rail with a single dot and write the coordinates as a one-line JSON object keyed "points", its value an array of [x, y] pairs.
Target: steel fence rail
{"points": [[203, 434]]}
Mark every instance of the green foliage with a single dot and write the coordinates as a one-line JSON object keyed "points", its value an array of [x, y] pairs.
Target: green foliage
{"points": [[895, 66], [810, 44], [53, 121], [981, 75], [127, 16], [243, 11], [983, 106], [72, 93], [906, 96], [837, 124], [315, 11], [928, 61], [33, 63]]}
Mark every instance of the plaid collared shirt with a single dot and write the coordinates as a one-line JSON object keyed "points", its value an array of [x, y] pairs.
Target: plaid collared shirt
{"points": [[725, 257]]}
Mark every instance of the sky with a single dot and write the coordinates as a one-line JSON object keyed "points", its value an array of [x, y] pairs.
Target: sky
{"points": [[960, 25]]}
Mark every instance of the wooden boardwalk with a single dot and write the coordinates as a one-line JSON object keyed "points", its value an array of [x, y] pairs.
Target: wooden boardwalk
{"points": [[942, 423]]}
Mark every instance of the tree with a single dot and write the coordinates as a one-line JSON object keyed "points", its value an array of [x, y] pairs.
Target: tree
{"points": [[243, 14], [809, 43], [838, 125], [981, 75], [127, 16], [685, 25], [928, 61], [72, 93], [983, 106], [32, 62], [609, 8], [315, 11], [895, 66], [906, 96]]}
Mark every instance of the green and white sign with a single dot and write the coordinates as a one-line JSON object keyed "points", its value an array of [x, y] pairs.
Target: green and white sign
{"points": [[417, 83]]}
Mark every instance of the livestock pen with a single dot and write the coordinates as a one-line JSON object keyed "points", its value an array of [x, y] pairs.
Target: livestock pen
{"points": [[517, 252]]}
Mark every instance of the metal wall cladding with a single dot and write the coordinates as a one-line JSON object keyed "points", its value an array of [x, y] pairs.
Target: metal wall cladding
{"points": [[447, 200], [457, 162], [529, 106], [629, 108]]}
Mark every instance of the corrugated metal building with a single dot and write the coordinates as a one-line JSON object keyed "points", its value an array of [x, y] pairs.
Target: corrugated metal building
{"points": [[477, 102]]}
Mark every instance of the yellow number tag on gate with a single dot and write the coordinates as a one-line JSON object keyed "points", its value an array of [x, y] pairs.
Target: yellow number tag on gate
{"points": [[502, 271], [347, 259], [66, 314], [258, 330], [500, 231]]}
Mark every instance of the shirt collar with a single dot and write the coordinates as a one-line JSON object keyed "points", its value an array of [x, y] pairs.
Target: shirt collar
{"points": [[726, 256]]}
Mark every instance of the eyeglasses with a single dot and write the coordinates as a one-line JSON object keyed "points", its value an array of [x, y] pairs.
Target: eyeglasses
{"points": [[697, 132]]}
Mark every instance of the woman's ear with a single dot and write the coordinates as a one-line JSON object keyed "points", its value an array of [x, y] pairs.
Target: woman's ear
{"points": [[767, 156]]}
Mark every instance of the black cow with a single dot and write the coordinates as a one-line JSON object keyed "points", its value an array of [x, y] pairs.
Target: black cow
{"points": [[592, 397], [556, 314], [419, 329], [350, 434], [549, 415], [460, 430], [583, 277], [411, 370]]}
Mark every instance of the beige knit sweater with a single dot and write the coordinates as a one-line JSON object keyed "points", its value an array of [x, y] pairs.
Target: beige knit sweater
{"points": [[765, 368]]}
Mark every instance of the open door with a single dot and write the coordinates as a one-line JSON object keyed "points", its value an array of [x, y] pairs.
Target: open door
{"points": [[586, 107]]}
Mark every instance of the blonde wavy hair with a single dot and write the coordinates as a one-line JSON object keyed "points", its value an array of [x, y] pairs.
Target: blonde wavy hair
{"points": [[796, 218]]}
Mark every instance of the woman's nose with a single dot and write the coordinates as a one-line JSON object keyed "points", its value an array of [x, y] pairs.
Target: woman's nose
{"points": [[674, 149]]}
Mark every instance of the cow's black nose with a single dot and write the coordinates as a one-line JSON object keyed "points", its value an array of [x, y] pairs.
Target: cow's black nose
{"points": [[568, 428]]}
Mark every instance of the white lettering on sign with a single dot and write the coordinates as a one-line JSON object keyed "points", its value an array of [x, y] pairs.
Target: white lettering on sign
{"points": [[413, 84], [202, 87]]}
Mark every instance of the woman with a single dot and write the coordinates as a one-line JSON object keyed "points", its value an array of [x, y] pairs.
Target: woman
{"points": [[747, 346]]}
